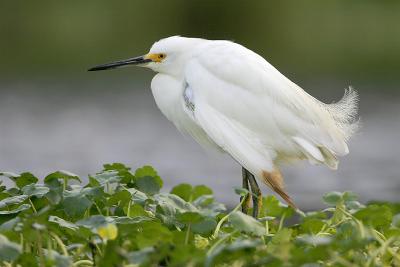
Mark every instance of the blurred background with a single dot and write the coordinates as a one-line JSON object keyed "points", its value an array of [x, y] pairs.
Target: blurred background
{"points": [[56, 115]]}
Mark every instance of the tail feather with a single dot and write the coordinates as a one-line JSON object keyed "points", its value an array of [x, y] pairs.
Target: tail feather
{"points": [[329, 158], [274, 180], [344, 112]]}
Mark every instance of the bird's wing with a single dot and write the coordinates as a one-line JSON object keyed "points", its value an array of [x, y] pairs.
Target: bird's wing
{"points": [[253, 111]]}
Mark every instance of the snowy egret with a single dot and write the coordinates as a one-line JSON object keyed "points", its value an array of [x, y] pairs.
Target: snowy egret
{"points": [[229, 98]]}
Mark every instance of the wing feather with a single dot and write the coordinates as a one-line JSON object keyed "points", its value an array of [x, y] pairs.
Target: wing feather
{"points": [[248, 95]]}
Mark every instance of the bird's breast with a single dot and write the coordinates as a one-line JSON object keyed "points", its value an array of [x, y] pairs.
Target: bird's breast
{"points": [[167, 92], [176, 101]]}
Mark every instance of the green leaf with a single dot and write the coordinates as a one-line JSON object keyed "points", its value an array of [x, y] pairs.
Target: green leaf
{"points": [[349, 196], [111, 256], [394, 207], [12, 200], [120, 198], [152, 233], [149, 184], [53, 258], [94, 222], [62, 175], [201, 190], [25, 179], [280, 244], [76, 201], [135, 210], [137, 196], [246, 223], [208, 207], [225, 253], [183, 191], [396, 221], [116, 167], [332, 198], [274, 208], [35, 190], [131, 220], [55, 194], [9, 251], [189, 217], [76, 206], [169, 205], [146, 171], [147, 180], [27, 259], [12, 176], [205, 226], [17, 210], [10, 224], [141, 256], [241, 191], [189, 193], [63, 223], [123, 172], [335, 198], [312, 225], [172, 204], [107, 177], [378, 216], [314, 240], [240, 244]]}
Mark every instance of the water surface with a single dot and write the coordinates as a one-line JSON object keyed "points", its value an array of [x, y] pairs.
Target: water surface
{"points": [[49, 126]]}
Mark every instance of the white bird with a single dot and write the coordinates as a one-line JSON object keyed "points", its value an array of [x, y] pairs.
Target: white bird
{"points": [[228, 97]]}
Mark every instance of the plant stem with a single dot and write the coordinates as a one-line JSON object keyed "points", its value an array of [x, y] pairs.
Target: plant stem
{"points": [[40, 249], [83, 262], [281, 221], [21, 237], [212, 248], [65, 183], [33, 206], [60, 244], [93, 250], [187, 234], [49, 248], [128, 212], [98, 208], [215, 235], [107, 188]]}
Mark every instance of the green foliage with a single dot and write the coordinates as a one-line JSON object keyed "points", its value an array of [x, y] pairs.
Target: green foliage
{"points": [[120, 218]]}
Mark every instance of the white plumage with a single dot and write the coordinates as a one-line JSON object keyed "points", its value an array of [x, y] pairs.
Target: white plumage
{"points": [[227, 97]]}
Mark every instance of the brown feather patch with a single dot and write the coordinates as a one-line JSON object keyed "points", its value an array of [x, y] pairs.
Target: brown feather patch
{"points": [[274, 180]]}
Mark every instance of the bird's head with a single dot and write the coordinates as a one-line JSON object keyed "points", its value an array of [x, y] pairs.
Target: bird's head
{"points": [[165, 56]]}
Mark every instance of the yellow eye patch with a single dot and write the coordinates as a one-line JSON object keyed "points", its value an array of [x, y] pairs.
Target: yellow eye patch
{"points": [[158, 57]]}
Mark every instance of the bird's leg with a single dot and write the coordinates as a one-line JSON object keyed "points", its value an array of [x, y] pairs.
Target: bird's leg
{"points": [[256, 194], [246, 202]]}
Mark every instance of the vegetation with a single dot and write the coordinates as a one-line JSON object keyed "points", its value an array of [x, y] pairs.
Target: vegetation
{"points": [[120, 218]]}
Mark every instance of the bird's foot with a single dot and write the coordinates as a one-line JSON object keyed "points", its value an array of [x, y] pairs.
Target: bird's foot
{"points": [[256, 196], [254, 191], [245, 184]]}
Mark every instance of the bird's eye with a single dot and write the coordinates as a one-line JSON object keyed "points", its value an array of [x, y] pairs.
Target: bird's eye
{"points": [[161, 56]]}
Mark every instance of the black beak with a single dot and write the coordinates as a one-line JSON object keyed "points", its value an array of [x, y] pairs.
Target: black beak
{"points": [[120, 63]]}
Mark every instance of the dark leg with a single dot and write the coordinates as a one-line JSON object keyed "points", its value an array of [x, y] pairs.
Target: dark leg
{"points": [[246, 202], [256, 194]]}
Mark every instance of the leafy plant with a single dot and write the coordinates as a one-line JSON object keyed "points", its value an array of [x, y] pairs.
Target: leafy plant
{"points": [[121, 218]]}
